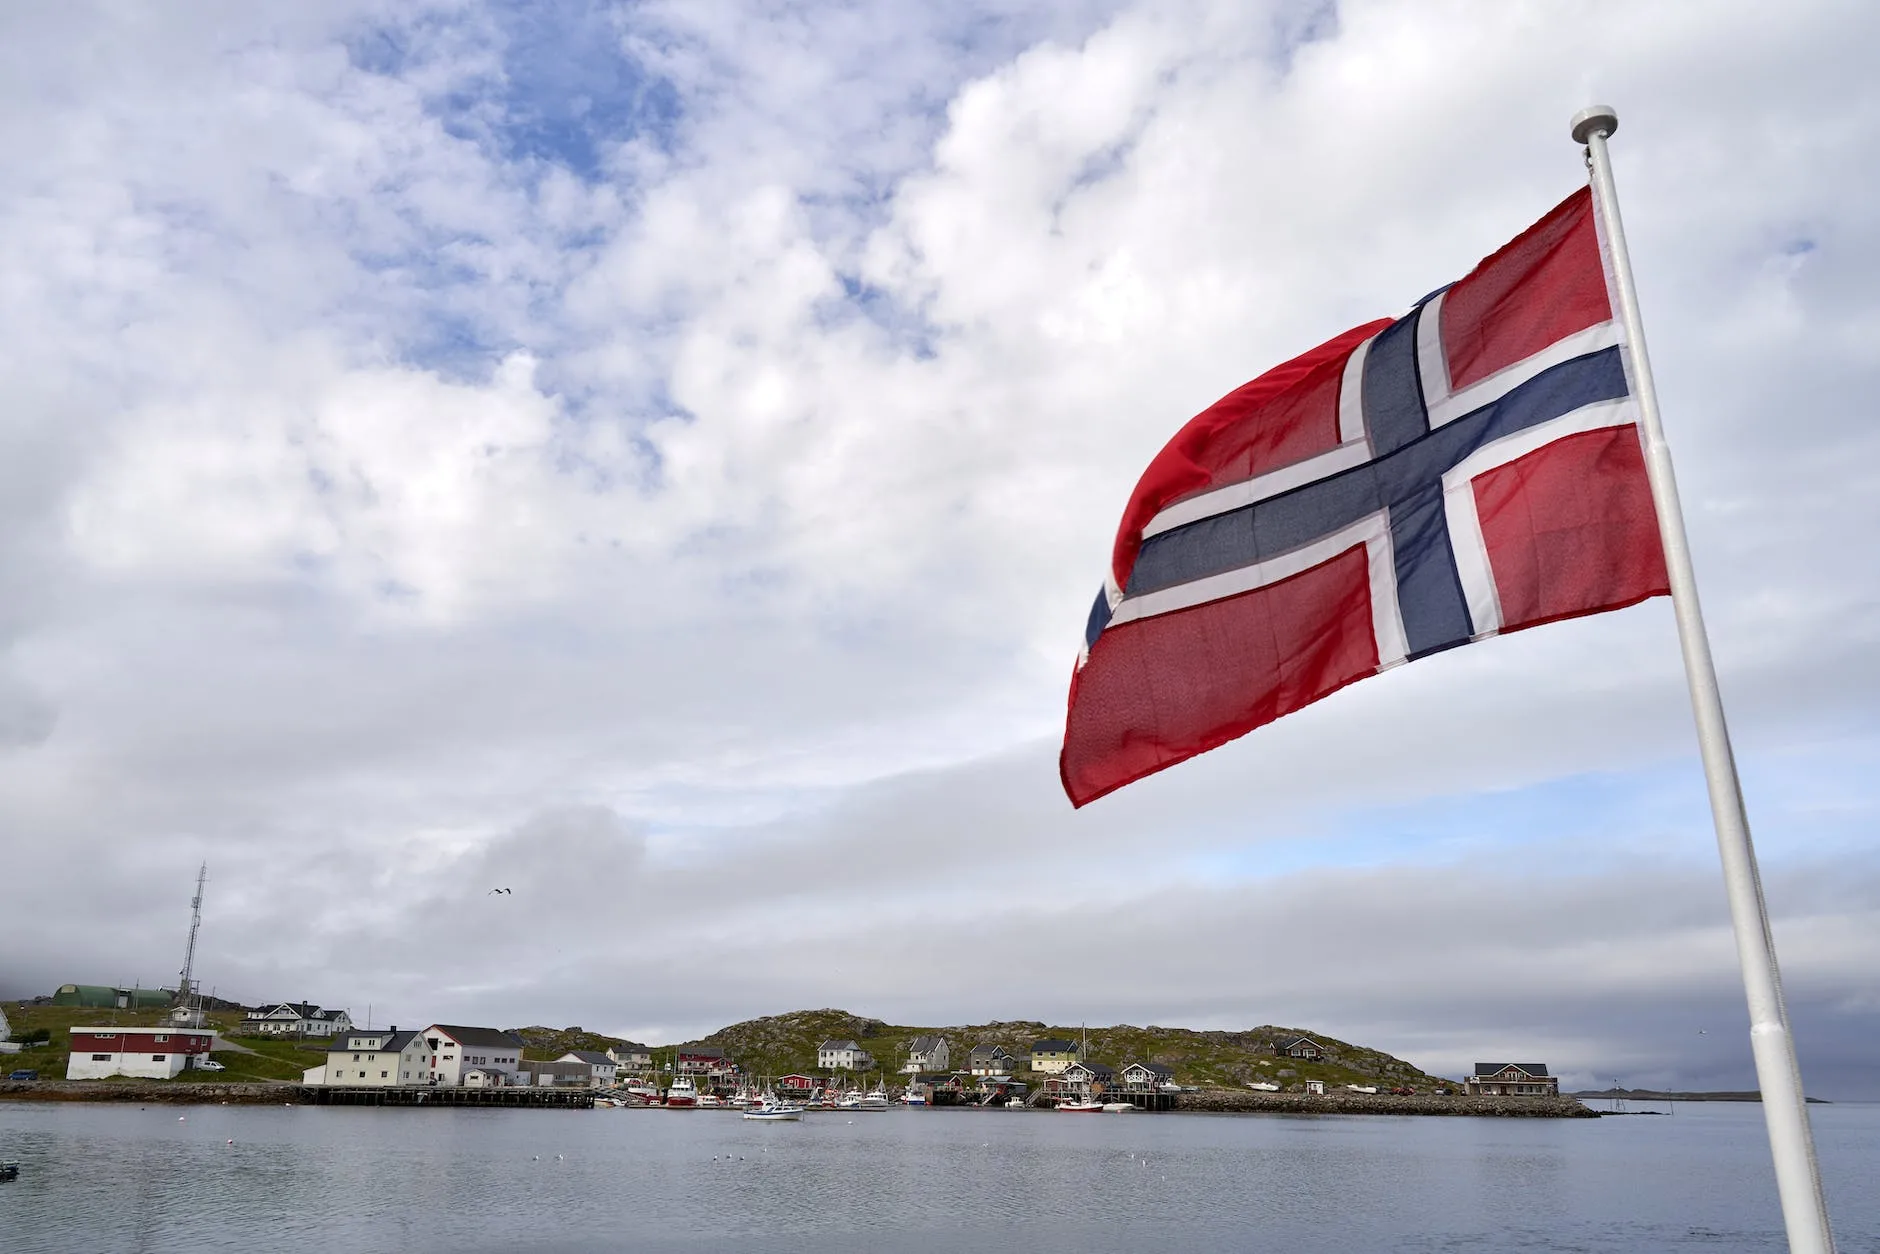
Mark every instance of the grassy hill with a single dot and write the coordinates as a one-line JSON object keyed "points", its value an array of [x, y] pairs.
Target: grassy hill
{"points": [[254, 1059], [779, 1044]]}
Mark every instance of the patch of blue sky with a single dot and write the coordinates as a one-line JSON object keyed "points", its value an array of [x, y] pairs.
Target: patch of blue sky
{"points": [[1804, 805], [566, 90]]}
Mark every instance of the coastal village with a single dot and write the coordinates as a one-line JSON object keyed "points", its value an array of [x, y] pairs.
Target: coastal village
{"points": [[808, 1060]]}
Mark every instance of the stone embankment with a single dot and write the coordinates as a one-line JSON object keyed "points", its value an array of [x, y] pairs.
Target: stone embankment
{"points": [[1250, 1101], [234, 1092]]}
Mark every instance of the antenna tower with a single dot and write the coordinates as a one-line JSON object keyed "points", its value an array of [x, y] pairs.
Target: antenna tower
{"points": [[185, 987]]}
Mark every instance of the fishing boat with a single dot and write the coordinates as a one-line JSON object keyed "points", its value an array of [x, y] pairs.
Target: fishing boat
{"points": [[877, 1099], [643, 1090], [710, 1101], [1119, 1108], [1081, 1106], [1263, 1086], [914, 1096], [772, 1111], [851, 1100], [683, 1095]]}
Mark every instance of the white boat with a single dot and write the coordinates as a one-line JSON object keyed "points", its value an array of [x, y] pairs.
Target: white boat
{"points": [[851, 1100], [877, 1099], [642, 1090], [1015, 1103], [1362, 1088], [773, 1111], [682, 1095], [711, 1100], [1081, 1106], [1264, 1086], [1119, 1108], [914, 1096]]}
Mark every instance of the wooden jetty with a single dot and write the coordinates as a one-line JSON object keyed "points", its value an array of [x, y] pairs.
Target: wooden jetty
{"points": [[531, 1098]]}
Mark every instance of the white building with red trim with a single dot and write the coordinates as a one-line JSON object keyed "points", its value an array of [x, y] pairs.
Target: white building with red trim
{"points": [[152, 1053]]}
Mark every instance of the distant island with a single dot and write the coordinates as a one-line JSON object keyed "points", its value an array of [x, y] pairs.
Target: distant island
{"points": [[788, 1043], [1660, 1095]]}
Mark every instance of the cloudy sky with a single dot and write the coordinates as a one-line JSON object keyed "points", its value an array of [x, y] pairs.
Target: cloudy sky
{"points": [[658, 457]]}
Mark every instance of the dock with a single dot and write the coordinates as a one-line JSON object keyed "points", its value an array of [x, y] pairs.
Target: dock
{"points": [[510, 1098]]}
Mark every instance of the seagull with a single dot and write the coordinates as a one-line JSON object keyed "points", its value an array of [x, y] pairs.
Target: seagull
{"points": [[510, 891]]}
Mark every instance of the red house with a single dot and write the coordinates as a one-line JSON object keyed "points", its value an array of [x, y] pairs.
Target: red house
{"points": [[154, 1053]]}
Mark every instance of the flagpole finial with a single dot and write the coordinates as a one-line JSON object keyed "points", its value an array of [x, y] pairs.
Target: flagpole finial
{"points": [[1602, 118]]}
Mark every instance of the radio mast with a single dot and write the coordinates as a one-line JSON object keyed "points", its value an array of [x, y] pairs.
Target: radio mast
{"points": [[185, 986]]}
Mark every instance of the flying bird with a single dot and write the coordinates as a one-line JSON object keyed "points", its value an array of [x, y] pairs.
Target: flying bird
{"points": [[510, 891]]}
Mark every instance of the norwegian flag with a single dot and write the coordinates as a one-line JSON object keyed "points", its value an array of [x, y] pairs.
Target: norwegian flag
{"points": [[1469, 469]]}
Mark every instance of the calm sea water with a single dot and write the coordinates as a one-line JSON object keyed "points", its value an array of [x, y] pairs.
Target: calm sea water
{"points": [[107, 1178]]}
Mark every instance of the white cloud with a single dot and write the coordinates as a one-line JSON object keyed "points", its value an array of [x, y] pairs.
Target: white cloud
{"points": [[392, 498]]}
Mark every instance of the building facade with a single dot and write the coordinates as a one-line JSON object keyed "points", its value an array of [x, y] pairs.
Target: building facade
{"points": [[452, 1049], [1512, 1079], [601, 1068], [926, 1053], [373, 1059], [154, 1053], [1052, 1056], [843, 1056], [984, 1060], [295, 1018]]}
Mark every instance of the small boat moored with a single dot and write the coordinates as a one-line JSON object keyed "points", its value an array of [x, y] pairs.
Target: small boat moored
{"points": [[772, 1111]]}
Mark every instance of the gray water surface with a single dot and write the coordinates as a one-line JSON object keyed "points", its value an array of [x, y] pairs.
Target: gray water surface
{"points": [[109, 1178]]}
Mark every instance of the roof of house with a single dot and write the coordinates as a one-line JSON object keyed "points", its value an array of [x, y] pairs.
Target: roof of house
{"points": [[1054, 1047], [628, 1047], [592, 1057], [1291, 1041], [701, 1051], [1096, 1069], [394, 1042], [304, 1009], [989, 1050], [1491, 1068], [925, 1044], [331, 1015], [849, 1045], [482, 1038], [1153, 1068]]}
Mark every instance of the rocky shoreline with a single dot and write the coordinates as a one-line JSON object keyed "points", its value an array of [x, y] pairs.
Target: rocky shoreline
{"points": [[1248, 1101], [1207, 1101], [234, 1092]]}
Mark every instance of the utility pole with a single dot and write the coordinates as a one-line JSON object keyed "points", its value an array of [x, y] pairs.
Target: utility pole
{"points": [[185, 986]]}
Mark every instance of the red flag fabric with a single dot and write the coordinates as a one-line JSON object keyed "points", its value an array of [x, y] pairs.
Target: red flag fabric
{"points": [[1468, 469]]}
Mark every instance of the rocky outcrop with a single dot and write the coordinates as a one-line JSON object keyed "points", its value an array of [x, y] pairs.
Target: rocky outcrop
{"points": [[1237, 1101], [149, 1091]]}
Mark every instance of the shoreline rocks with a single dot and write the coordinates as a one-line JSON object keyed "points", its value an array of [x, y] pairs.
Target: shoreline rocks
{"points": [[231, 1092], [1249, 1101]]}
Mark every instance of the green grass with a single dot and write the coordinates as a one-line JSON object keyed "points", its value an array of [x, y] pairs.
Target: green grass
{"points": [[272, 1059]]}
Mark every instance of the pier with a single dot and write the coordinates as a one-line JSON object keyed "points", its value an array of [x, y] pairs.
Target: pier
{"points": [[537, 1098]]}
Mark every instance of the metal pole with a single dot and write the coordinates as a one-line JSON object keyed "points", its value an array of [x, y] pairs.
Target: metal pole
{"points": [[1798, 1177]]}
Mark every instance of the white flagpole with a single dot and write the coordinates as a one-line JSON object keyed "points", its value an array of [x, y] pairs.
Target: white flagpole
{"points": [[1798, 1177]]}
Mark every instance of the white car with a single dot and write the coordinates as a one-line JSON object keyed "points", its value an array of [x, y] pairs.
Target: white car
{"points": [[210, 1064]]}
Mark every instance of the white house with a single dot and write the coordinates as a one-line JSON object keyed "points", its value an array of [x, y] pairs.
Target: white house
{"points": [[601, 1068], [926, 1053], [631, 1057], [991, 1060], [152, 1053], [295, 1018], [1147, 1075], [1511, 1079], [373, 1058], [843, 1056], [451, 1050]]}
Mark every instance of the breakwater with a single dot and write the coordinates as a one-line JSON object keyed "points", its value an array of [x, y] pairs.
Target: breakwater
{"points": [[262, 1093], [1248, 1101]]}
